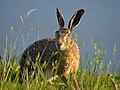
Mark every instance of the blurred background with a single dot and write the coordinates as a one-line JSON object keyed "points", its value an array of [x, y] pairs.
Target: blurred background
{"points": [[37, 20]]}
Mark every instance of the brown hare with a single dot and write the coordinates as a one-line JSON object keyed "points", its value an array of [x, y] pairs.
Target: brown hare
{"points": [[62, 49]]}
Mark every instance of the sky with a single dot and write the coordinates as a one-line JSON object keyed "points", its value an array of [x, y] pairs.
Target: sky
{"points": [[101, 20]]}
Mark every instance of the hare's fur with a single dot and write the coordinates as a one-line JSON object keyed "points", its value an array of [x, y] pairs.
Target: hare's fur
{"points": [[62, 49]]}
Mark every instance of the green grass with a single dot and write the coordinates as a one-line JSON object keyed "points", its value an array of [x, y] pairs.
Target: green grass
{"points": [[92, 73]]}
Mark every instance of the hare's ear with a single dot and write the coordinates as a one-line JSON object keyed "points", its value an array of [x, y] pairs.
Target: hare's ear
{"points": [[60, 18], [75, 19]]}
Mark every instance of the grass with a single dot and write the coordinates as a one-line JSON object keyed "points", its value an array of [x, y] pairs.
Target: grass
{"points": [[92, 73]]}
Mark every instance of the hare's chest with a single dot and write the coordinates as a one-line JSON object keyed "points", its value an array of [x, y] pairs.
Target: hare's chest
{"points": [[72, 63], [67, 65]]}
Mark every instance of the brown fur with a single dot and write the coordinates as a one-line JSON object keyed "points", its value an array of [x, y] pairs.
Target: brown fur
{"points": [[69, 63]]}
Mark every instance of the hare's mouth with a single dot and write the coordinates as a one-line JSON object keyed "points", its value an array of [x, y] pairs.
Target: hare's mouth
{"points": [[60, 46]]}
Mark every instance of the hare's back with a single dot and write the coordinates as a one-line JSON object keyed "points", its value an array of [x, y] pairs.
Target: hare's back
{"points": [[45, 49]]}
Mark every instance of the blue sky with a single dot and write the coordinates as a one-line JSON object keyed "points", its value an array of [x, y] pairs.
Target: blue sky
{"points": [[101, 20]]}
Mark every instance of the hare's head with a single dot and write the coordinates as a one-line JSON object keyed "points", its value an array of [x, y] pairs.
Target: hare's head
{"points": [[64, 35]]}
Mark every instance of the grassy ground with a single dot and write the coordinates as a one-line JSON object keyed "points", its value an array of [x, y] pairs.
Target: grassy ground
{"points": [[9, 80]]}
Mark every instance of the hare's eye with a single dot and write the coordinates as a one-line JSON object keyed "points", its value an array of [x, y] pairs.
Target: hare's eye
{"points": [[67, 31]]}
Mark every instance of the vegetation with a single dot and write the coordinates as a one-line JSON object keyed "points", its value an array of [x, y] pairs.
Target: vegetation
{"points": [[92, 73]]}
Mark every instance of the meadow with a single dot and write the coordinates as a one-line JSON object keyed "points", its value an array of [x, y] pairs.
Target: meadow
{"points": [[92, 73]]}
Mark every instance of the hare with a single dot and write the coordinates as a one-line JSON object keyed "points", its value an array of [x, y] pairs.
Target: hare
{"points": [[66, 51]]}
